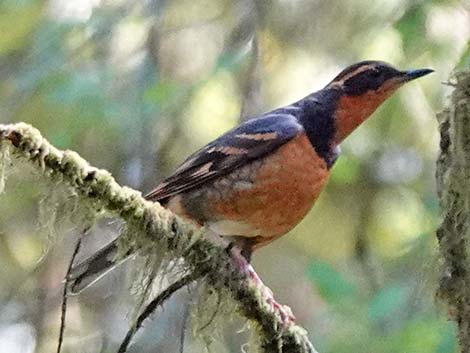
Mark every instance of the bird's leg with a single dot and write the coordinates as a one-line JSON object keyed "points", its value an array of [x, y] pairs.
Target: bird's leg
{"points": [[242, 260], [246, 252]]}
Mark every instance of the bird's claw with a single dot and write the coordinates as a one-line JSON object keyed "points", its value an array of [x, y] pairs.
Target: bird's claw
{"points": [[282, 311]]}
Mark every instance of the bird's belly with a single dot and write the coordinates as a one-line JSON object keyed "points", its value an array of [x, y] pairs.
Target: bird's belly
{"points": [[264, 199]]}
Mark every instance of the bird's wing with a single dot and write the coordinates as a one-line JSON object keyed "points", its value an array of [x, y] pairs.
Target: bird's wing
{"points": [[251, 140]]}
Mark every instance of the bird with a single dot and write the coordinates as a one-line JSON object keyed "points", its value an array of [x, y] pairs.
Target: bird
{"points": [[256, 182]]}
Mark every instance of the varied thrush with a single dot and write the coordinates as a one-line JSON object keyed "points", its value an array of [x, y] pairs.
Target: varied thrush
{"points": [[258, 181]]}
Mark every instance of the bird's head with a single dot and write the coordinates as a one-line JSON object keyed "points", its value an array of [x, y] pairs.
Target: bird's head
{"points": [[362, 88]]}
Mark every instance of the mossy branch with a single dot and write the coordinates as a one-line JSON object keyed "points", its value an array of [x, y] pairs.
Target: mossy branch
{"points": [[453, 184], [98, 189]]}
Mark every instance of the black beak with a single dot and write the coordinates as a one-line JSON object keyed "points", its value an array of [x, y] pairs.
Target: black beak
{"points": [[414, 74]]}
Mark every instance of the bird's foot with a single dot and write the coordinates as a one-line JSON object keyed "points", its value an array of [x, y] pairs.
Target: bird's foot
{"points": [[283, 311]]}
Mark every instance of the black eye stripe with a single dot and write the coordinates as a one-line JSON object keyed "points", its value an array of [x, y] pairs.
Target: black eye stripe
{"points": [[376, 73], [370, 79]]}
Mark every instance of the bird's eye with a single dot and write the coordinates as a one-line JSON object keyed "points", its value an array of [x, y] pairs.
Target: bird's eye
{"points": [[376, 73]]}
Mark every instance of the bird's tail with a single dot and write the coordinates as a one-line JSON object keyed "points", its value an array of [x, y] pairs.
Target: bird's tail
{"points": [[93, 268]]}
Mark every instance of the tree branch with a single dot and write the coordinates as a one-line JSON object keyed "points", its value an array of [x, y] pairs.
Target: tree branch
{"points": [[152, 223], [453, 183]]}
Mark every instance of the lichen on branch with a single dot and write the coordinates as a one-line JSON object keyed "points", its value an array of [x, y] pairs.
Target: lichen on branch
{"points": [[150, 223], [453, 184]]}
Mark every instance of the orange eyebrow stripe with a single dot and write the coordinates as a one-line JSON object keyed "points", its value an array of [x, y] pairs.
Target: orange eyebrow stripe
{"points": [[258, 137], [227, 150], [352, 74]]}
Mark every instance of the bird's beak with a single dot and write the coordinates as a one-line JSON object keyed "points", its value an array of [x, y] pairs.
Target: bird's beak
{"points": [[414, 74]]}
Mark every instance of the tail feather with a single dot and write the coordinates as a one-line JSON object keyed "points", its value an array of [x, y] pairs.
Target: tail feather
{"points": [[94, 268]]}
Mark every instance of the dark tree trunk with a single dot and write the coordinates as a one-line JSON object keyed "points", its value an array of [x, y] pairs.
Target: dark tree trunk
{"points": [[453, 185]]}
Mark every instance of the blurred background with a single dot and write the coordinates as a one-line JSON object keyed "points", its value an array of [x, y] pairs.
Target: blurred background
{"points": [[135, 86]]}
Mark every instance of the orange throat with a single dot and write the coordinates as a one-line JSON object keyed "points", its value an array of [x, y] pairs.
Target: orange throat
{"points": [[352, 111]]}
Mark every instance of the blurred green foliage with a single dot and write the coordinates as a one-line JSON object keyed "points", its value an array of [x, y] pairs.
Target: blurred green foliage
{"points": [[331, 284], [135, 86]]}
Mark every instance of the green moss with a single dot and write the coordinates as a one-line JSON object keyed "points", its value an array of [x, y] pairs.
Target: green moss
{"points": [[212, 309], [453, 183], [47, 215]]}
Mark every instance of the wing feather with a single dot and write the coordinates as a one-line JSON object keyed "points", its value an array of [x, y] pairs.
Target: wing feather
{"points": [[251, 140]]}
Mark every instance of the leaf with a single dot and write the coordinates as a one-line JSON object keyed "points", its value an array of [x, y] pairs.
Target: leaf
{"points": [[16, 23], [331, 284], [347, 170], [425, 335], [412, 28], [387, 302], [162, 93], [464, 61], [448, 342]]}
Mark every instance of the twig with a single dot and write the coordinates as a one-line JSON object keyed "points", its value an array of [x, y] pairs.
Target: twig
{"points": [[152, 306], [214, 314], [184, 325], [65, 292]]}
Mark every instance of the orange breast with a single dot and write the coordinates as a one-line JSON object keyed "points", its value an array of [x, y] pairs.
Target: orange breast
{"points": [[282, 189]]}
